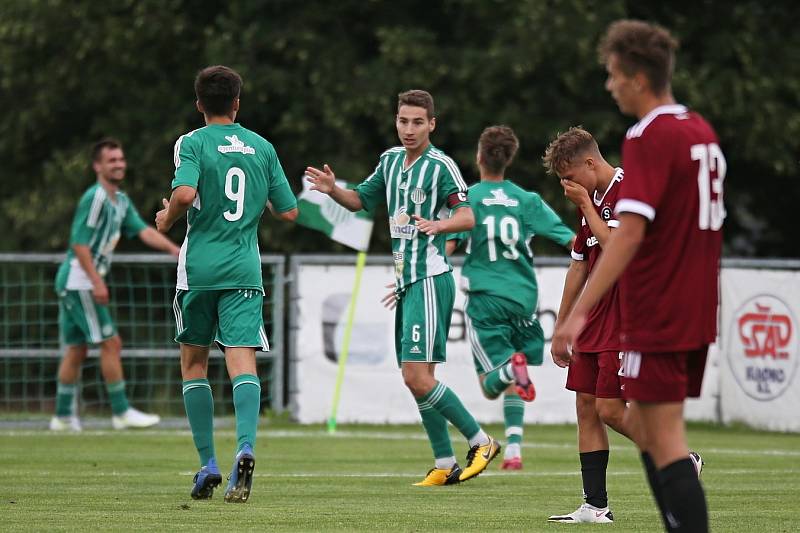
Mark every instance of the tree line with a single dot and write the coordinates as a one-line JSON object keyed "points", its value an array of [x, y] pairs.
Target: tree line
{"points": [[321, 80]]}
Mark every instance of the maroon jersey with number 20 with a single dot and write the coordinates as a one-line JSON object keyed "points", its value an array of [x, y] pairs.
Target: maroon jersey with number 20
{"points": [[674, 171]]}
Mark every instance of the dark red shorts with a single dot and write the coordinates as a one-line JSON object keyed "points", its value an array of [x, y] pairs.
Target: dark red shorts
{"points": [[663, 377], [595, 373]]}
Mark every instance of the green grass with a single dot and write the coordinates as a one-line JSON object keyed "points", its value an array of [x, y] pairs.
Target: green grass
{"points": [[360, 480]]}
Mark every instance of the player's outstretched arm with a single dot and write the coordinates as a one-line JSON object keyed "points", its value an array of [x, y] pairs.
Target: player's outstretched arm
{"points": [[576, 278], [324, 181], [286, 216], [462, 219], [182, 198], [155, 240]]}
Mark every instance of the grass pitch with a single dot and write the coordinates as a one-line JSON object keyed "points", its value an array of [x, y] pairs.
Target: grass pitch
{"points": [[360, 480]]}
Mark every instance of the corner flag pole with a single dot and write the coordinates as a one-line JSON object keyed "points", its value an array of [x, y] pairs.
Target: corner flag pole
{"points": [[348, 329]]}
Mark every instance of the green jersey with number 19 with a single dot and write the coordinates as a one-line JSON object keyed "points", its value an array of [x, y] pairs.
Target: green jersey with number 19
{"points": [[235, 173], [499, 258], [429, 187]]}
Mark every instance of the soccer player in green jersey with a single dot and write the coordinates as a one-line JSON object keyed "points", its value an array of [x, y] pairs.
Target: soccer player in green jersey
{"points": [[225, 176], [500, 284], [104, 213], [417, 181]]}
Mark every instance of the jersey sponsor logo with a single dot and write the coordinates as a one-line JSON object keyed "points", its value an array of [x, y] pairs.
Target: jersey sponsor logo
{"points": [[418, 196], [499, 197], [399, 226], [606, 213], [236, 146], [764, 347], [591, 241], [583, 221]]}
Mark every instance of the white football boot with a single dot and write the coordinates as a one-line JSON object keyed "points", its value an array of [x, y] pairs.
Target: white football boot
{"points": [[65, 423], [133, 418], [585, 514]]}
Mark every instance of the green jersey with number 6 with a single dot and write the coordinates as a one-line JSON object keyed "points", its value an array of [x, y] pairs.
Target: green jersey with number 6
{"points": [[499, 258], [235, 173], [428, 187]]}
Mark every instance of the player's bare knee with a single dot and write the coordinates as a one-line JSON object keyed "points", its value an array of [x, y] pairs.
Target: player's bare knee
{"points": [[112, 345], [611, 412], [585, 408]]}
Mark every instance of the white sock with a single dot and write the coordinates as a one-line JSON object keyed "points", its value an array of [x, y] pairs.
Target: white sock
{"points": [[513, 450], [445, 463], [480, 438]]}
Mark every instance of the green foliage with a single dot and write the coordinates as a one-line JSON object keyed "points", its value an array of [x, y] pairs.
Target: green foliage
{"points": [[321, 80]]}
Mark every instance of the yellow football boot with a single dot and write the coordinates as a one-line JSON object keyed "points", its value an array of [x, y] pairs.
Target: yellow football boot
{"points": [[478, 458], [440, 476]]}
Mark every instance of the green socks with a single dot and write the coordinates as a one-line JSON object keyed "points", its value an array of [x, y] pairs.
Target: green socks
{"points": [[65, 395], [513, 413], [199, 404], [436, 427], [450, 407], [498, 380], [117, 397], [247, 401]]}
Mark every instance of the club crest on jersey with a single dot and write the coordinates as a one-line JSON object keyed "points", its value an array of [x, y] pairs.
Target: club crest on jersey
{"points": [[418, 196], [606, 213], [400, 227], [236, 146], [499, 197]]}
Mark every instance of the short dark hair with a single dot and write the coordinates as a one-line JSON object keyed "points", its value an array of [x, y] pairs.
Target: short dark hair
{"points": [[217, 88], [641, 47], [416, 98], [563, 151], [497, 145], [102, 144]]}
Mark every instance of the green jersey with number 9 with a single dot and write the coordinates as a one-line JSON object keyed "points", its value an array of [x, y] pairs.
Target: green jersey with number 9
{"points": [[235, 173], [499, 258]]}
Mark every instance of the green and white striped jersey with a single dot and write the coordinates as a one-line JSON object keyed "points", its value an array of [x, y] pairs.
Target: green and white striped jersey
{"points": [[235, 172], [98, 224], [499, 258], [429, 187]]}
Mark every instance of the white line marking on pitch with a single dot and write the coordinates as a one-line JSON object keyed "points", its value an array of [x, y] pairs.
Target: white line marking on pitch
{"points": [[373, 435]]}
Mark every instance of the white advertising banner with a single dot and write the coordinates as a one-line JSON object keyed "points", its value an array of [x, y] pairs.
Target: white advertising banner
{"points": [[373, 389], [759, 382]]}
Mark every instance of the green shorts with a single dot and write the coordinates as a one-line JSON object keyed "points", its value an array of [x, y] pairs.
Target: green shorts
{"points": [[230, 317], [422, 319], [81, 320], [496, 330]]}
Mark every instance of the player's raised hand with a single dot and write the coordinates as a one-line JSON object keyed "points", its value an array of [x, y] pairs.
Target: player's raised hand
{"points": [[389, 301], [428, 227], [576, 193], [161, 217], [321, 180]]}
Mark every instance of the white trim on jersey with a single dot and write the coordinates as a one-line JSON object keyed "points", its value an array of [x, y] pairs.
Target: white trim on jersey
{"points": [[176, 154], [183, 282], [628, 205], [576, 256], [452, 167], [637, 130], [97, 206], [89, 311], [613, 223], [618, 175], [418, 212]]}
